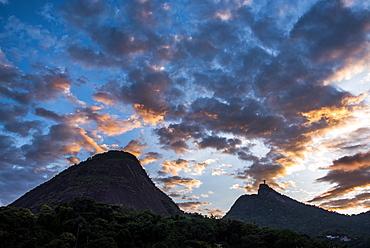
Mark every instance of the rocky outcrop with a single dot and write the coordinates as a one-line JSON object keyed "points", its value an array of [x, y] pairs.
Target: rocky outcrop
{"points": [[114, 177]]}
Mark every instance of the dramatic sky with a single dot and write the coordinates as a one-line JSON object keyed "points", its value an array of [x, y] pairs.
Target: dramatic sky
{"points": [[212, 96]]}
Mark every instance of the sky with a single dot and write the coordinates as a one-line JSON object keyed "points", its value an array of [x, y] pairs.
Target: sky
{"points": [[212, 96]]}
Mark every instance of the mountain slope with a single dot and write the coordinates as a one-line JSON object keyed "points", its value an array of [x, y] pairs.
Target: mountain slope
{"points": [[269, 208], [114, 177]]}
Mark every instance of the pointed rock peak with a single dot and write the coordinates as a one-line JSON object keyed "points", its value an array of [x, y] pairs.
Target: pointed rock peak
{"points": [[113, 177], [264, 189]]}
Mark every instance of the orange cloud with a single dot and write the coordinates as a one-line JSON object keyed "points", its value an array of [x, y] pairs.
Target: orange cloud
{"points": [[150, 157], [73, 160], [359, 201], [175, 166], [331, 115], [218, 213], [110, 126], [346, 181], [218, 172], [104, 98], [350, 163], [135, 147], [148, 115], [89, 143], [171, 182], [192, 206]]}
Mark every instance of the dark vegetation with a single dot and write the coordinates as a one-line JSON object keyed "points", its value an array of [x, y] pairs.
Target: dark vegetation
{"points": [[86, 223]]}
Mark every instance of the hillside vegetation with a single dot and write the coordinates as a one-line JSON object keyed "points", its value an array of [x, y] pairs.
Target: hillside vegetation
{"points": [[87, 224]]}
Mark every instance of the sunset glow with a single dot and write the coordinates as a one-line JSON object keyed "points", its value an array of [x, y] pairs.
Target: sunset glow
{"points": [[211, 96]]}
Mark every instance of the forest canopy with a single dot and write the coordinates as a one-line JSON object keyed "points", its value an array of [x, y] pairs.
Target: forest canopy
{"points": [[86, 223]]}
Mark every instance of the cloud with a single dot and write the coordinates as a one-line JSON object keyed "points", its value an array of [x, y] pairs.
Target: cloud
{"points": [[8, 72], [42, 84], [150, 157], [46, 12], [189, 197], [220, 143], [257, 81], [349, 174], [214, 212], [108, 125], [175, 136], [259, 171], [135, 147], [346, 182], [15, 28], [218, 172], [349, 163], [82, 12], [192, 206], [174, 167], [360, 200], [255, 75], [173, 181]]}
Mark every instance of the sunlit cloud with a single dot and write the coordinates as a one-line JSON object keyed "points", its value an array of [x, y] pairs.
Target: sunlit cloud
{"points": [[135, 147], [150, 157], [179, 83], [173, 181], [192, 206], [214, 212], [346, 182], [359, 201]]}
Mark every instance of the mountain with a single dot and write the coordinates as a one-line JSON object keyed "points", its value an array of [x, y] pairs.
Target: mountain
{"points": [[114, 177], [272, 209]]}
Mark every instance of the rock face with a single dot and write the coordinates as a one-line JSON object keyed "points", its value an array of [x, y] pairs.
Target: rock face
{"points": [[271, 209], [114, 177]]}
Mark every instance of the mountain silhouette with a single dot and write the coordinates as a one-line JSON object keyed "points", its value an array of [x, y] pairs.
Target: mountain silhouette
{"points": [[114, 177], [269, 208]]}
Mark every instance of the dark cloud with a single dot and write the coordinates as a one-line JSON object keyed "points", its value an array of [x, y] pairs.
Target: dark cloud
{"points": [[42, 84], [46, 83], [360, 200], [8, 74], [261, 169], [84, 12], [175, 135], [23, 128], [135, 147], [348, 173], [91, 58], [16, 176], [220, 143], [239, 117], [11, 118], [351, 162], [346, 181], [11, 112], [48, 114], [336, 36]]}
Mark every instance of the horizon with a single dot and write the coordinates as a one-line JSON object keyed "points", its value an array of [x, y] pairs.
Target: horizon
{"points": [[212, 97]]}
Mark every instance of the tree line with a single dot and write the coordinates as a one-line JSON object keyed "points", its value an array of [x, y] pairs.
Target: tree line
{"points": [[85, 223]]}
